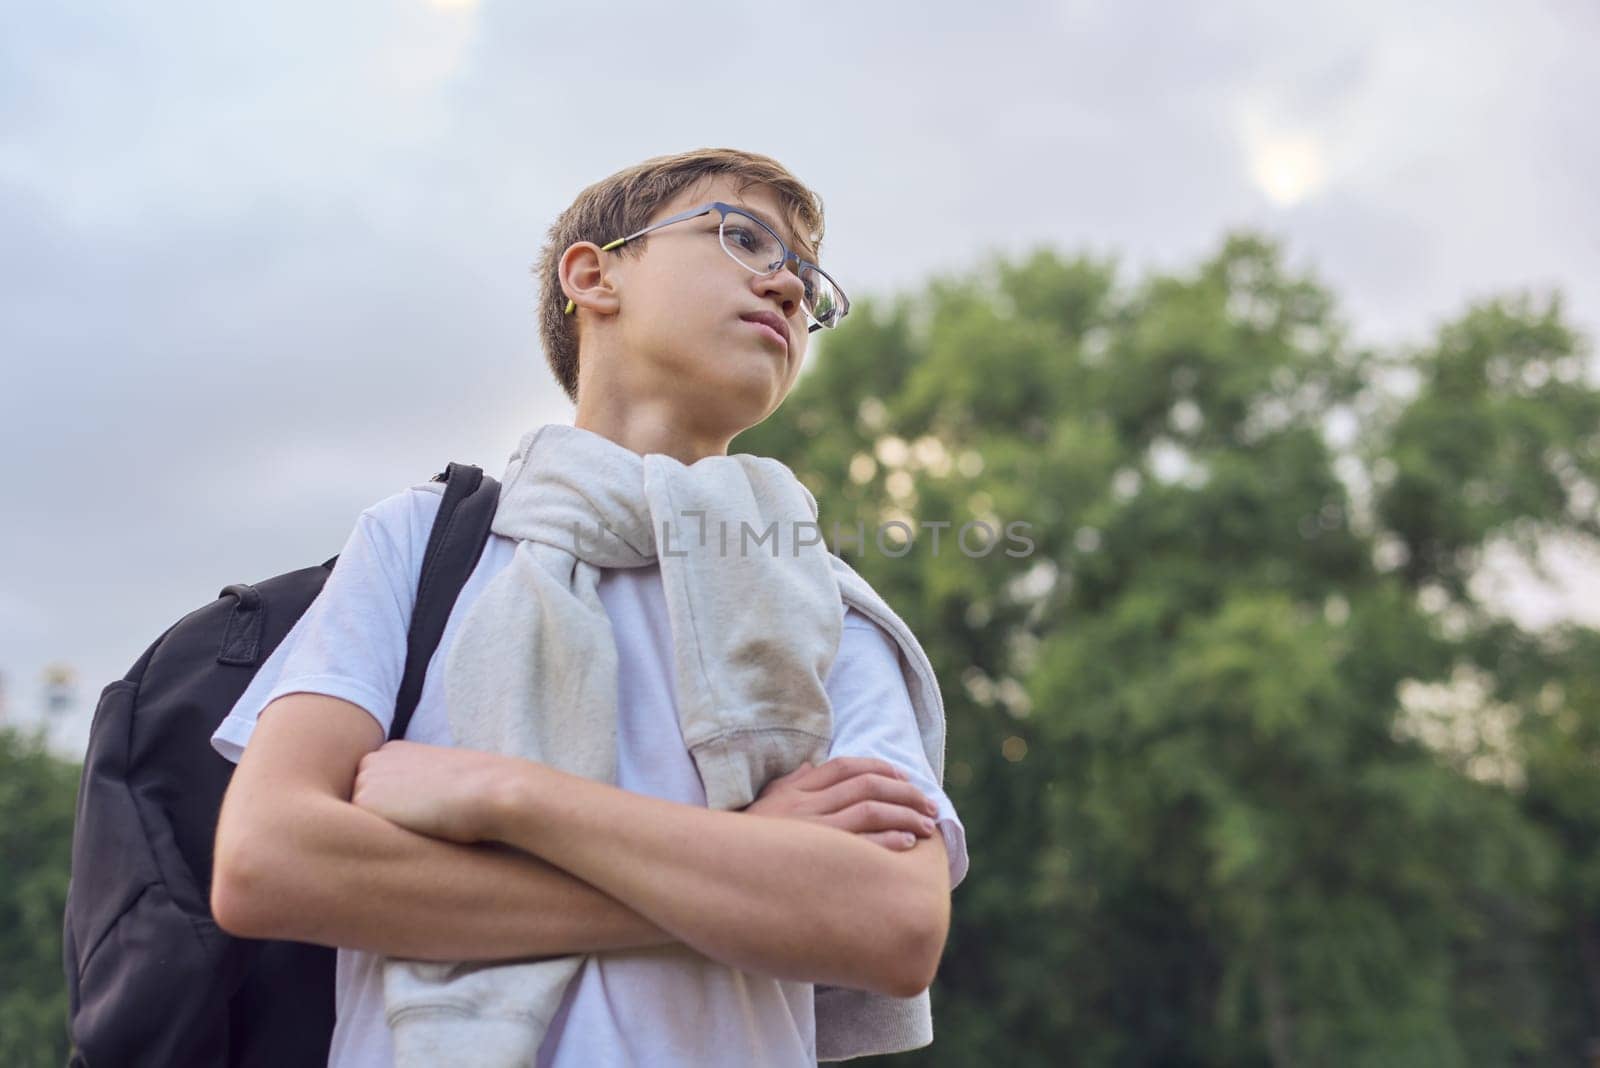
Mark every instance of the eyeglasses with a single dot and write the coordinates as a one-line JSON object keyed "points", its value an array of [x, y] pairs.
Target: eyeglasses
{"points": [[756, 247]]}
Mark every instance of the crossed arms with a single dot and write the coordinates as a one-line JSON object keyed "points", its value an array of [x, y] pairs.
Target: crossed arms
{"points": [[328, 835]]}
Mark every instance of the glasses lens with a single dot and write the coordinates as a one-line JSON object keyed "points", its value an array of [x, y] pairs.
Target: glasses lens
{"points": [[751, 242], [822, 300]]}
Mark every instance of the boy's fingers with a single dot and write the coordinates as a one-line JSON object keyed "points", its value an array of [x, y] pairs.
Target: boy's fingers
{"points": [[861, 788], [840, 768], [880, 816], [899, 841]]}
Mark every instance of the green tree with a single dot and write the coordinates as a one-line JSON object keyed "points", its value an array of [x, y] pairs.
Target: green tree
{"points": [[1207, 737], [37, 795]]}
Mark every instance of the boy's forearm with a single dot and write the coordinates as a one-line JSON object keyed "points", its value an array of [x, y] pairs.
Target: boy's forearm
{"points": [[330, 873], [785, 898]]}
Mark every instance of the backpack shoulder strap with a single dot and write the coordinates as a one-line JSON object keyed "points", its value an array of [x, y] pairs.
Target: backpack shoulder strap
{"points": [[460, 531]]}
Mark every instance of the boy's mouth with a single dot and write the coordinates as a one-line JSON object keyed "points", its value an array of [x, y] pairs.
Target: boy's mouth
{"points": [[770, 325]]}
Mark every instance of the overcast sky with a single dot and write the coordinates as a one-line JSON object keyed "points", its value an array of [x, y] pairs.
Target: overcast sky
{"points": [[265, 265]]}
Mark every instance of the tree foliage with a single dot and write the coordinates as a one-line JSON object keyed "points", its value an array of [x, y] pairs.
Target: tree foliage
{"points": [[37, 794], [1251, 771]]}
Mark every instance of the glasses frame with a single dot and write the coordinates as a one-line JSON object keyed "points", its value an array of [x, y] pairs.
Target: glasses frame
{"points": [[788, 256]]}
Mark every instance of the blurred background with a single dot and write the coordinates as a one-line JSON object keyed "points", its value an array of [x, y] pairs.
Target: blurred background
{"points": [[1273, 321]]}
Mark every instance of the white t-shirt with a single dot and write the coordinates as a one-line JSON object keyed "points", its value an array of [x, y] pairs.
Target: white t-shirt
{"points": [[666, 1005]]}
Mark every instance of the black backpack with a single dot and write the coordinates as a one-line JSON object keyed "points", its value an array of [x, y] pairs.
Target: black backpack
{"points": [[151, 978]]}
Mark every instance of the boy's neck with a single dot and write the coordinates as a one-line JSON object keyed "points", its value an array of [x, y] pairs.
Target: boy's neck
{"points": [[646, 431]]}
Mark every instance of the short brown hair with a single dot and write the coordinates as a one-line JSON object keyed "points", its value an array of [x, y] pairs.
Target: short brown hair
{"points": [[624, 202]]}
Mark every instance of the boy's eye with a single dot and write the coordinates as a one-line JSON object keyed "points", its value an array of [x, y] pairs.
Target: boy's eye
{"points": [[744, 237]]}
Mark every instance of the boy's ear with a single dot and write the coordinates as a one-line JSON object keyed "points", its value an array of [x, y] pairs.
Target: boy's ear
{"points": [[584, 278]]}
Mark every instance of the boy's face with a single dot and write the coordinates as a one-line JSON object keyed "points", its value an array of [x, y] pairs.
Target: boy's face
{"points": [[681, 341]]}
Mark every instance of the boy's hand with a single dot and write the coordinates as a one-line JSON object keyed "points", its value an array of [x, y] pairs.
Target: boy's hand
{"points": [[436, 790], [857, 794]]}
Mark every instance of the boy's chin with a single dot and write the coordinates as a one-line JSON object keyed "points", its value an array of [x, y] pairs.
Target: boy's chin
{"points": [[737, 404], [744, 380]]}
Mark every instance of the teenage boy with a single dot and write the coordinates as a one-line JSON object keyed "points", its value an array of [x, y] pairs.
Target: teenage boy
{"points": [[708, 932]]}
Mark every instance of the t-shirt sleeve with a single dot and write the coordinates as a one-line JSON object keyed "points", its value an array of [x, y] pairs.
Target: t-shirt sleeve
{"points": [[873, 717], [351, 641]]}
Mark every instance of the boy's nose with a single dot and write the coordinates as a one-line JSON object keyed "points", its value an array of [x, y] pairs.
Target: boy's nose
{"points": [[786, 286]]}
